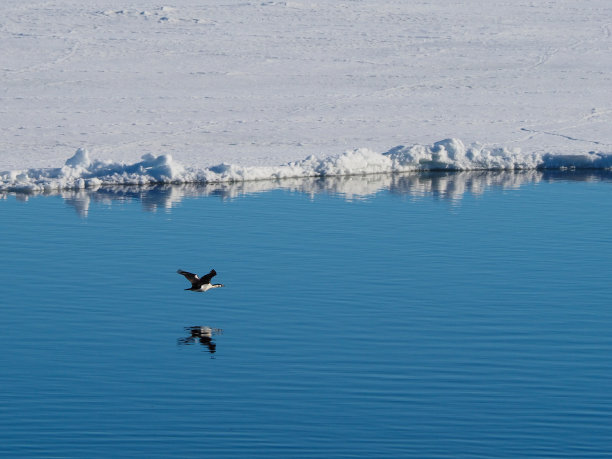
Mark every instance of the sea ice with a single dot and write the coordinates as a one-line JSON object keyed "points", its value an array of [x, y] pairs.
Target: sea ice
{"points": [[259, 84]]}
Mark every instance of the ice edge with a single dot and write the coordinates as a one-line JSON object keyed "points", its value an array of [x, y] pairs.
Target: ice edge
{"points": [[80, 171]]}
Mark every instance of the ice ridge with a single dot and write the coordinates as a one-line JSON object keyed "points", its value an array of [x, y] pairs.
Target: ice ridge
{"points": [[79, 171]]}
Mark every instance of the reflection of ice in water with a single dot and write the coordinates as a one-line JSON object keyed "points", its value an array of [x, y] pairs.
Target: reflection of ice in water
{"points": [[439, 185], [202, 335]]}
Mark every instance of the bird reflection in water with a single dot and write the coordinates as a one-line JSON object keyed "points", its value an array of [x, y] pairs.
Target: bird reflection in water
{"points": [[203, 335]]}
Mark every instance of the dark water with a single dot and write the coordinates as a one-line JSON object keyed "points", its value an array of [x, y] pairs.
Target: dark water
{"points": [[441, 315]]}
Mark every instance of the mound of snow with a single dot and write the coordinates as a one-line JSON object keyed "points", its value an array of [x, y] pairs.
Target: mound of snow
{"points": [[80, 171]]}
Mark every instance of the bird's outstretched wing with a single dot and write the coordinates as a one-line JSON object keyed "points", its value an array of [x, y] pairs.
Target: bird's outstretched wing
{"points": [[193, 278], [206, 279]]}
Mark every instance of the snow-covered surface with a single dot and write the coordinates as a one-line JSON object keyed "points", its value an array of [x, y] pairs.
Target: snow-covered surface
{"points": [[256, 84]]}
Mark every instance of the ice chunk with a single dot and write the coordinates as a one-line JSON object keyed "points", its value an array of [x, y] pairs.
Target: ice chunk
{"points": [[79, 159]]}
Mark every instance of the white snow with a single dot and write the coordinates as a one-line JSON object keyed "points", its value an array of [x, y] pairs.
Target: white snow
{"points": [[253, 85], [80, 171]]}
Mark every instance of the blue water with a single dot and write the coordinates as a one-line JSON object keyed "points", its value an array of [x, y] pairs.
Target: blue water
{"points": [[442, 315]]}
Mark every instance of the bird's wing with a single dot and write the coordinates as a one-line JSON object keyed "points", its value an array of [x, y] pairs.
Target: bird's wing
{"points": [[193, 278], [206, 279]]}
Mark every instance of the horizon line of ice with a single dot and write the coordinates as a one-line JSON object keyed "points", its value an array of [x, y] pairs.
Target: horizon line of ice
{"points": [[80, 171]]}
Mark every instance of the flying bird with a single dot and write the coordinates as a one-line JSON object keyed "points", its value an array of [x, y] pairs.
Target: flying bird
{"points": [[200, 284]]}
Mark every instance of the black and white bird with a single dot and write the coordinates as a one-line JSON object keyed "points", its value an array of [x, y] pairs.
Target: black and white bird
{"points": [[200, 284]]}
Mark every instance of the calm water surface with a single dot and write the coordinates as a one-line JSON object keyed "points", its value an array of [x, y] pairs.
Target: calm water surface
{"points": [[463, 315]]}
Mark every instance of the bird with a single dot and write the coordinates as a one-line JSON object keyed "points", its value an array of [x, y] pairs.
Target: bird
{"points": [[200, 284]]}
